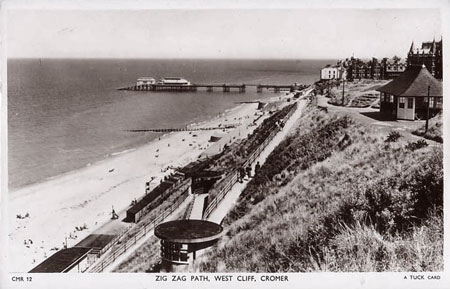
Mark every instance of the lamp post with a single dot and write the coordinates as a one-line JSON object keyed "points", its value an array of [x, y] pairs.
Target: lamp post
{"points": [[328, 88], [428, 109]]}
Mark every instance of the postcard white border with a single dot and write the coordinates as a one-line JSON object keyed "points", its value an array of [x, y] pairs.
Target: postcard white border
{"points": [[297, 280]]}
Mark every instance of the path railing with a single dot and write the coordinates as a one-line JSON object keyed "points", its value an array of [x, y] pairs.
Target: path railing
{"points": [[228, 184], [108, 258], [188, 211], [229, 181]]}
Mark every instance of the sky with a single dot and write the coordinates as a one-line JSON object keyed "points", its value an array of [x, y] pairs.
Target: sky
{"points": [[219, 33]]}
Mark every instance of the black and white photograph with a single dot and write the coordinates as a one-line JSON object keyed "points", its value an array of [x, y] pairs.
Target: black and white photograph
{"points": [[211, 144]]}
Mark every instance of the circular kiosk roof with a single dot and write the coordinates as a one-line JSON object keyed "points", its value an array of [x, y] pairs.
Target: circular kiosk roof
{"points": [[188, 231]]}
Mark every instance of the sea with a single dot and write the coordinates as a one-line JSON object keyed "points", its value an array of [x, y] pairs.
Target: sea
{"points": [[65, 114]]}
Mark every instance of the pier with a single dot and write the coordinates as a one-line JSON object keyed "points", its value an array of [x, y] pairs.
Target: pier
{"points": [[241, 88]]}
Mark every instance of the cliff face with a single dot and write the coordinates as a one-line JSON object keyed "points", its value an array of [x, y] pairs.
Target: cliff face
{"points": [[336, 196]]}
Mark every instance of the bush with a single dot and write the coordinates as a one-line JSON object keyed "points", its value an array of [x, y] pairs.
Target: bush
{"points": [[393, 136], [362, 248], [395, 207], [412, 146]]}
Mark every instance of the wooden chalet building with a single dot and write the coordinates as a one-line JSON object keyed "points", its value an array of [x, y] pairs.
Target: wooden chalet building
{"points": [[406, 97]]}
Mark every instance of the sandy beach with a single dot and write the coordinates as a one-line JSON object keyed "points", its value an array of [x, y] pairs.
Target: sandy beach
{"points": [[42, 216]]}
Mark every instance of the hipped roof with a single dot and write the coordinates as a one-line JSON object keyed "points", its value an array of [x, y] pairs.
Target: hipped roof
{"points": [[413, 82]]}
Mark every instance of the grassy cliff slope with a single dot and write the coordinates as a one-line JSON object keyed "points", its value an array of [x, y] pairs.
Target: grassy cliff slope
{"points": [[335, 196], [434, 129]]}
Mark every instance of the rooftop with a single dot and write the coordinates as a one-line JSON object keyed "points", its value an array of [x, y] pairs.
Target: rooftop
{"points": [[413, 82], [394, 61], [147, 199], [61, 261], [422, 51], [98, 241], [188, 231]]}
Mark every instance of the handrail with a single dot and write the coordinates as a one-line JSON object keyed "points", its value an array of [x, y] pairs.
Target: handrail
{"points": [[112, 256], [229, 183]]}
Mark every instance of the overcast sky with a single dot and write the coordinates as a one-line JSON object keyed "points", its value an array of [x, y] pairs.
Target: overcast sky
{"points": [[297, 33]]}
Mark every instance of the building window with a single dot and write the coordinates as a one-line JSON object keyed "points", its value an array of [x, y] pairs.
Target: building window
{"points": [[401, 102], [391, 98], [439, 102], [431, 102], [410, 102]]}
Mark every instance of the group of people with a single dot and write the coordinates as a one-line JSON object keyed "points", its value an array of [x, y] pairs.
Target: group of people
{"points": [[245, 173]]}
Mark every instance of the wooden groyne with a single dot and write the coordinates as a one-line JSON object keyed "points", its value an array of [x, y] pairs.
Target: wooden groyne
{"points": [[229, 126], [241, 88]]}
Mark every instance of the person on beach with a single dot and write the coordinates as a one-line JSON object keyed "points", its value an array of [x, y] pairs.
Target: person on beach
{"points": [[114, 215]]}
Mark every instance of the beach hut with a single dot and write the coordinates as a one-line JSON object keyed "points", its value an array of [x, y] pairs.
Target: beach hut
{"points": [[407, 96], [215, 138], [97, 242], [261, 105], [151, 200]]}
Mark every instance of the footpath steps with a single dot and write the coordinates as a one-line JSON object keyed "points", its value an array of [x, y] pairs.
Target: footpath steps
{"points": [[197, 208]]}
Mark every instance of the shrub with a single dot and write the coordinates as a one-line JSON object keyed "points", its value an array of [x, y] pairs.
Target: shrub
{"points": [[390, 215], [412, 146], [361, 247], [393, 136]]}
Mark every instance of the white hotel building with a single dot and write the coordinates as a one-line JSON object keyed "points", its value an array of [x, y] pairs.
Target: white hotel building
{"points": [[332, 72]]}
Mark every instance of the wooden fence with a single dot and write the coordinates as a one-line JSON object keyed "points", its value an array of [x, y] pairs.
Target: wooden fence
{"points": [[228, 182], [109, 257], [225, 186]]}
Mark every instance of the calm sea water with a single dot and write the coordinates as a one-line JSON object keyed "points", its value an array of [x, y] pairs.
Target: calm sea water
{"points": [[65, 114]]}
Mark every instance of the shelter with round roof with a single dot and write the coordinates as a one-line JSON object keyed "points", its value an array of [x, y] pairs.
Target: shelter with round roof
{"points": [[410, 94], [182, 239]]}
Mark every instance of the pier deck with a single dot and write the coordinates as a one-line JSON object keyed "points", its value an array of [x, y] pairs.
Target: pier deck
{"points": [[210, 87]]}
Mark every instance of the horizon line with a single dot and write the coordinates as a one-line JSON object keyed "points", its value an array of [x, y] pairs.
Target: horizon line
{"points": [[192, 58]]}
